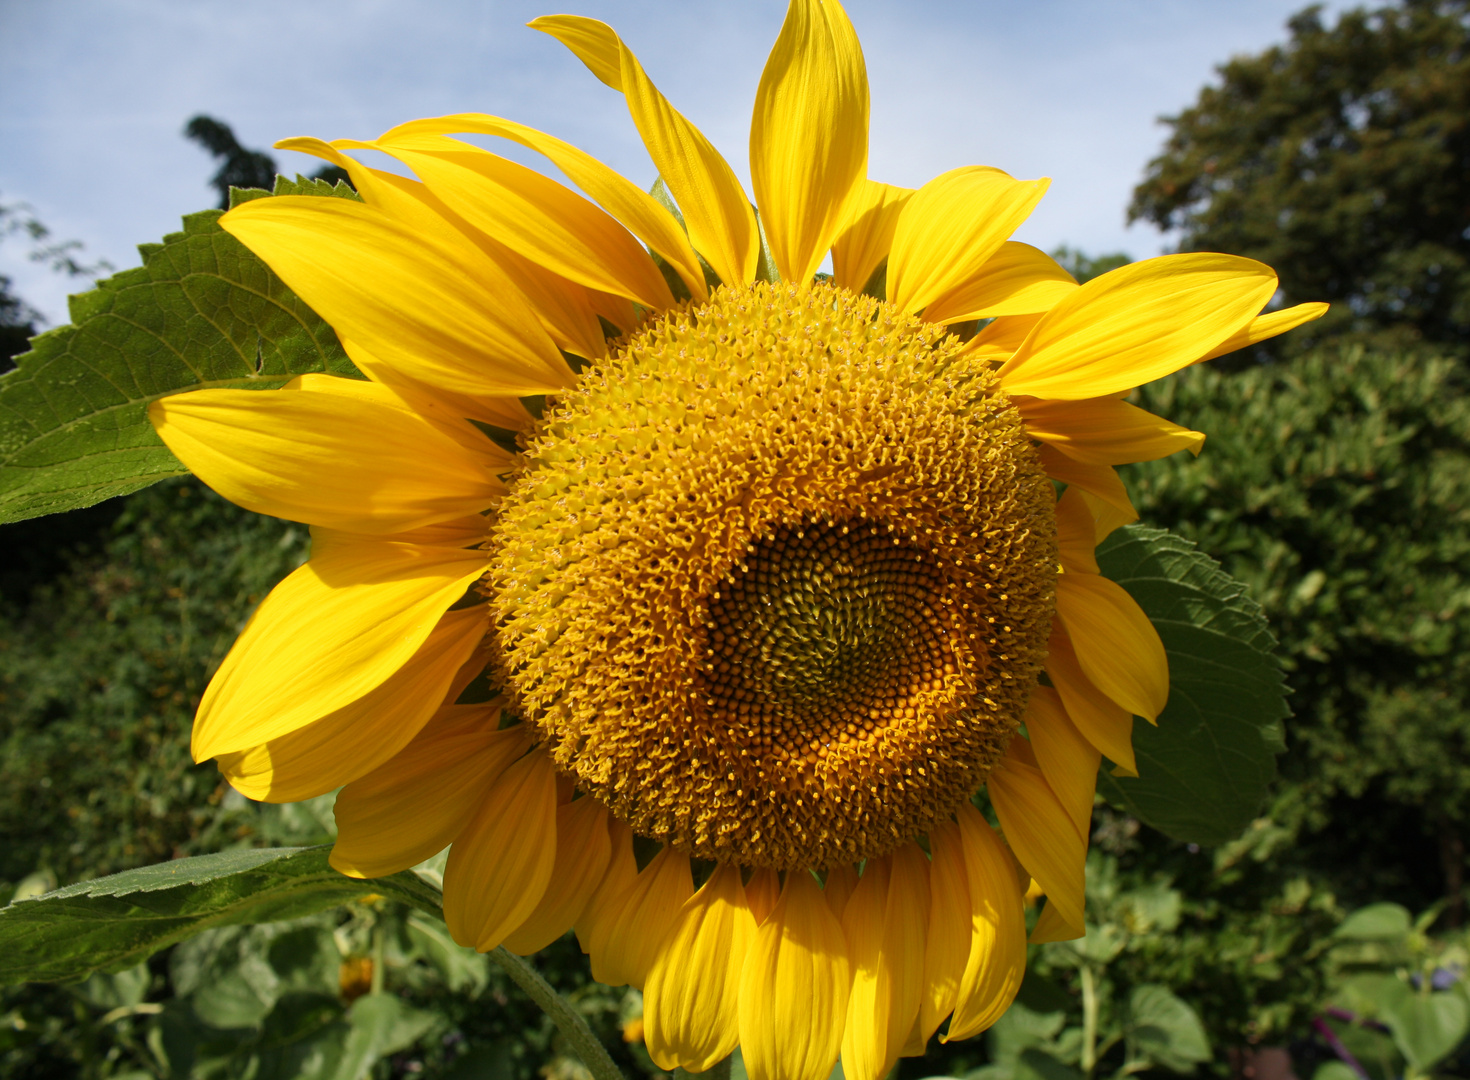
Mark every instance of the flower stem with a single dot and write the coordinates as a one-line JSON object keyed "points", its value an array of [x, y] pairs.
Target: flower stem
{"points": [[1089, 1020], [568, 1021]]}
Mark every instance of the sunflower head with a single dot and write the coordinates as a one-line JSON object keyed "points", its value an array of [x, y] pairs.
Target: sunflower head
{"points": [[772, 580], [777, 577]]}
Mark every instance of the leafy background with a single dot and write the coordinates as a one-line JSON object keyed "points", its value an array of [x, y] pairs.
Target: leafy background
{"points": [[1335, 486]]}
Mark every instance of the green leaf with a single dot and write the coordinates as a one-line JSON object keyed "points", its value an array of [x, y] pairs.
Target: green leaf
{"points": [[1425, 1027], [1376, 922], [114, 922], [1204, 770], [201, 311], [1165, 1030]]}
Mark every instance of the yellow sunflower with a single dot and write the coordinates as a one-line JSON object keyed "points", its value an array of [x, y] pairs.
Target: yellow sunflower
{"points": [[768, 565]]}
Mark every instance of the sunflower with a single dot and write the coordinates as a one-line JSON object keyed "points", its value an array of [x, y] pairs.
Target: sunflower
{"points": [[767, 566]]}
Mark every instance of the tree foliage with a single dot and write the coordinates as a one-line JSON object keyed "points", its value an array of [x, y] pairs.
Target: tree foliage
{"points": [[1342, 159], [1337, 487]]}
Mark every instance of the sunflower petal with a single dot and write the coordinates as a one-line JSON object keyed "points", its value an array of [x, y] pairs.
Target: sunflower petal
{"points": [[1042, 833], [1076, 540], [1116, 645], [1103, 722], [1105, 431], [1067, 760], [414, 805], [866, 238], [691, 1003], [634, 935], [809, 135], [1099, 480], [721, 222], [1264, 327], [640, 213], [951, 228], [597, 919], [1136, 324], [500, 865], [1004, 334], [583, 850], [357, 738], [762, 892], [841, 881], [794, 988], [283, 454], [948, 942], [997, 957], [333, 631], [885, 925], [440, 312], [533, 215], [1017, 280]]}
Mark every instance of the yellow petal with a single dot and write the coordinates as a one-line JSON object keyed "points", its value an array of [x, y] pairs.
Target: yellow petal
{"points": [[1041, 832], [1263, 327], [413, 806], [1017, 280], [1136, 324], [332, 632], [357, 738], [691, 1002], [583, 850], [762, 892], [793, 991], [323, 459], [1105, 431], [841, 881], [1117, 646], [885, 925], [596, 921], [999, 340], [865, 239], [997, 957], [434, 308], [1067, 760], [1050, 926], [534, 215], [1106, 516], [1104, 723], [640, 213], [1076, 542], [1099, 480], [948, 942], [500, 865], [809, 135], [643, 920], [434, 402], [720, 220], [951, 228]]}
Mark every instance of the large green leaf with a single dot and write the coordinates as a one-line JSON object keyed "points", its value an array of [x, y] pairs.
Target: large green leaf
{"points": [[114, 922], [201, 311], [1204, 770]]}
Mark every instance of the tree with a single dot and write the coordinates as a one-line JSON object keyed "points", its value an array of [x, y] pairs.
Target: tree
{"points": [[1342, 159], [240, 167], [1336, 485]]}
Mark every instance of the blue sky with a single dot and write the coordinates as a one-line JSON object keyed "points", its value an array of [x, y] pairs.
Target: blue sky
{"points": [[94, 93]]}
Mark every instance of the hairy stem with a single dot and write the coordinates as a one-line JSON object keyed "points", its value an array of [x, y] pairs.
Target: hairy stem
{"points": [[1089, 1020], [568, 1021]]}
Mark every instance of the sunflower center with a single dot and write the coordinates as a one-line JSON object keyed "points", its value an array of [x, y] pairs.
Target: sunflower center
{"points": [[777, 577], [828, 634]]}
